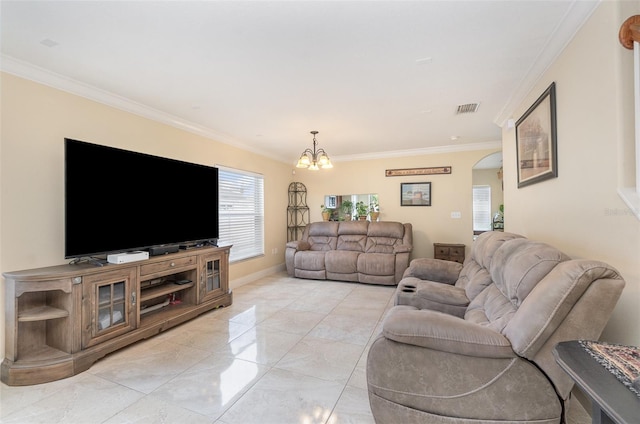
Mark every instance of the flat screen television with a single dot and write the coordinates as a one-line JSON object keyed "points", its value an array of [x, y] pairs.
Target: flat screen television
{"points": [[118, 200]]}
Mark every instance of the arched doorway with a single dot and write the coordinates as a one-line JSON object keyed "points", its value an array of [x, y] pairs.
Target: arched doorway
{"points": [[487, 193]]}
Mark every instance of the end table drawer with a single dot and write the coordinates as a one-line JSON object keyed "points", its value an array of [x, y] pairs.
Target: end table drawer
{"points": [[456, 251], [440, 251], [449, 252]]}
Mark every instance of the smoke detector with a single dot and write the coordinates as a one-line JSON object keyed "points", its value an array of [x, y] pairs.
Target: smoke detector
{"points": [[468, 108]]}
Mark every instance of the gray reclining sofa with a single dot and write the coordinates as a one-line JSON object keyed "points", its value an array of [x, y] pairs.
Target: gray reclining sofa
{"points": [[358, 251], [473, 343]]}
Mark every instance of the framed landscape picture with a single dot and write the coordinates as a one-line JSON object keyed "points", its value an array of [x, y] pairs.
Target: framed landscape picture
{"points": [[536, 140], [415, 194]]}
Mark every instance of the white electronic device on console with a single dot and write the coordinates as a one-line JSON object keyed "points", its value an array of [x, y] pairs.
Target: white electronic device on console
{"points": [[125, 257]]}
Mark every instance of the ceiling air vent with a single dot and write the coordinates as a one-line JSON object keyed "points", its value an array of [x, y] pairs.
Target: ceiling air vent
{"points": [[468, 108]]}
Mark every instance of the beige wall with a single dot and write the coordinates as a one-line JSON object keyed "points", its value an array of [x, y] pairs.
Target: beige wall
{"points": [[35, 121], [431, 224], [580, 212]]}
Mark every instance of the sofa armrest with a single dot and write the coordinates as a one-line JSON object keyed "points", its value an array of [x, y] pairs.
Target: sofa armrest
{"points": [[298, 245], [437, 270], [290, 252], [445, 333], [402, 248]]}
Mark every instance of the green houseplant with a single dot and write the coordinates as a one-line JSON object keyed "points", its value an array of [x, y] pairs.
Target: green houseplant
{"points": [[362, 210], [326, 212], [374, 211], [346, 207]]}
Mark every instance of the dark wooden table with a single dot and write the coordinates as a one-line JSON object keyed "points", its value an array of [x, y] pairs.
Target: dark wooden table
{"points": [[611, 401]]}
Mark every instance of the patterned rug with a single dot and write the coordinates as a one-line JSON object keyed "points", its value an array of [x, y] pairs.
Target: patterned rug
{"points": [[622, 361]]}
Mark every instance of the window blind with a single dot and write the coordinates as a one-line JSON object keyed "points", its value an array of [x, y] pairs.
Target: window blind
{"points": [[482, 208], [241, 212]]}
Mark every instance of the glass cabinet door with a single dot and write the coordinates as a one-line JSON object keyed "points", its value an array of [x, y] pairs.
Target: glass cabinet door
{"points": [[211, 276], [108, 305], [111, 304]]}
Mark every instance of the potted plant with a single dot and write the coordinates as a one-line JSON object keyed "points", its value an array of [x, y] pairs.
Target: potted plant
{"points": [[347, 208], [362, 210], [326, 213], [374, 211]]}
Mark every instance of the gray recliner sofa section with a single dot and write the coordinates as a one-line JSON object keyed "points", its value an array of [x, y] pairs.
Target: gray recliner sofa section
{"points": [[357, 251], [494, 362]]}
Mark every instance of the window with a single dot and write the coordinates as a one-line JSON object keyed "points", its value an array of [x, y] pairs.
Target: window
{"points": [[481, 208], [631, 195], [241, 205]]}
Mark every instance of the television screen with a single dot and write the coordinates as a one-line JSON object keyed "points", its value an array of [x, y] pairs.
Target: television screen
{"points": [[117, 200]]}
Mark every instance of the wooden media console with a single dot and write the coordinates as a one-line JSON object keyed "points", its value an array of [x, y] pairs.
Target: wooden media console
{"points": [[62, 319]]}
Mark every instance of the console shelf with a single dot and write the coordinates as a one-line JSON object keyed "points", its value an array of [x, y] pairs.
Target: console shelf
{"points": [[61, 319], [42, 313], [163, 290]]}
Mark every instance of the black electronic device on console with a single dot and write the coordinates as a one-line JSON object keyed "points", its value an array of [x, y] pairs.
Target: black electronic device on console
{"points": [[163, 250]]}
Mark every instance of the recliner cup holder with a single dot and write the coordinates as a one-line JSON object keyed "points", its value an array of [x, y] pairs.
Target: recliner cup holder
{"points": [[408, 288]]}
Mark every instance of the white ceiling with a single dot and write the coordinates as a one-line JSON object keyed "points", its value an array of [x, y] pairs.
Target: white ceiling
{"points": [[376, 79]]}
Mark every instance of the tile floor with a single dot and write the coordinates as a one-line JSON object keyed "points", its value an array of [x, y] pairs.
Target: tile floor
{"points": [[286, 351]]}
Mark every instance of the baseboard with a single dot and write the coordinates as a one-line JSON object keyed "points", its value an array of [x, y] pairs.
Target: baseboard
{"points": [[238, 282]]}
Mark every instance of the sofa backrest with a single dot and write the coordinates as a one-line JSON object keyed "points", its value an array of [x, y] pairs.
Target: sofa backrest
{"points": [[517, 267], [578, 297], [358, 236], [474, 276], [352, 235], [321, 235], [540, 296], [382, 237]]}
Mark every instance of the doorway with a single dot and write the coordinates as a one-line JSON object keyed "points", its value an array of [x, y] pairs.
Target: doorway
{"points": [[488, 195]]}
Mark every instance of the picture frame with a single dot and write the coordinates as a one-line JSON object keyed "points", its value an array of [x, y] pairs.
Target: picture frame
{"points": [[432, 170], [536, 140], [415, 194]]}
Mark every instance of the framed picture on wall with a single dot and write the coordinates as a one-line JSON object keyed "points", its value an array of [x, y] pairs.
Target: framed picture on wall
{"points": [[415, 194], [536, 140]]}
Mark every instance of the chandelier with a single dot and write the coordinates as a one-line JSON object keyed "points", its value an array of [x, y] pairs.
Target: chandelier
{"points": [[314, 159]]}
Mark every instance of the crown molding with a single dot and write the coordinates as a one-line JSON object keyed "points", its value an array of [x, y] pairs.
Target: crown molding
{"points": [[43, 76], [577, 14]]}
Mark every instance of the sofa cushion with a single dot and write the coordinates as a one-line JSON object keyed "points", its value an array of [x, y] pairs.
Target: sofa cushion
{"points": [[490, 309], [310, 260], [352, 242], [474, 276], [353, 227], [382, 237], [352, 235], [376, 264], [342, 262], [405, 324], [488, 243], [519, 264], [322, 236], [555, 296]]}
